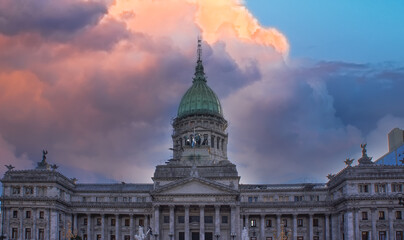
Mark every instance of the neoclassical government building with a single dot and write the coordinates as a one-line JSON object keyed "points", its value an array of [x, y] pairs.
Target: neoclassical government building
{"points": [[197, 194]]}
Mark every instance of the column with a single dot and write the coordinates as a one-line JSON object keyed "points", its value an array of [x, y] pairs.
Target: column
{"points": [[327, 227], [294, 236], [233, 219], [146, 221], [357, 233], [21, 236], [75, 224], [89, 226], [246, 223], [391, 223], [310, 226], [103, 226], [278, 225], [202, 222], [217, 219], [117, 227], [262, 225], [34, 231], [238, 230], [156, 221], [348, 225], [186, 231], [373, 216], [131, 227], [172, 218]]}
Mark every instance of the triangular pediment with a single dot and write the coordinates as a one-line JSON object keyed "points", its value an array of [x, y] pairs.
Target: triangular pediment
{"points": [[195, 186]]}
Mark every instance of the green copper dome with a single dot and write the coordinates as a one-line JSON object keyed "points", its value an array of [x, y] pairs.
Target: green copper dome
{"points": [[200, 98]]}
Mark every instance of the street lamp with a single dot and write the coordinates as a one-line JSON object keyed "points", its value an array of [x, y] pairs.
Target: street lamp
{"points": [[233, 235], [400, 199]]}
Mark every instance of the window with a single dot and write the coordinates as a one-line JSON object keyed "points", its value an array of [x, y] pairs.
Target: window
{"points": [[29, 190], [397, 187], [98, 221], [364, 215], [363, 188], [380, 188], [181, 236], [16, 190], [398, 215], [253, 223], [218, 141], [381, 215], [84, 199], [315, 198], [125, 199], [166, 219], [41, 215], [28, 214], [41, 234], [41, 191], [181, 219], [113, 221], [298, 198], [285, 222], [141, 222], [127, 222], [399, 235], [193, 219], [252, 199], [85, 221], [382, 235], [212, 141], [315, 222], [14, 233], [98, 236], [28, 233], [299, 238], [98, 199], [208, 219], [268, 223], [300, 222], [269, 238], [127, 237], [15, 214], [365, 235], [316, 238], [225, 219]]}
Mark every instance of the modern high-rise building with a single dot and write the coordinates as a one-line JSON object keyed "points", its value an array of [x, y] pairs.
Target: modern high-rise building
{"points": [[197, 195]]}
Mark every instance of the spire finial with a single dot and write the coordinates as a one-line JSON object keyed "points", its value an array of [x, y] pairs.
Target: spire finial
{"points": [[199, 48]]}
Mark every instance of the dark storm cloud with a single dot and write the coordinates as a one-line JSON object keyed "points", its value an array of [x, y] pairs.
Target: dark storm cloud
{"points": [[302, 126], [47, 16]]}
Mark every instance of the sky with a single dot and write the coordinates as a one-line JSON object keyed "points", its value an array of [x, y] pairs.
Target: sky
{"points": [[97, 83]]}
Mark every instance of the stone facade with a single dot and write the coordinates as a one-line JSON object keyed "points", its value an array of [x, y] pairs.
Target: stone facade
{"points": [[197, 196]]}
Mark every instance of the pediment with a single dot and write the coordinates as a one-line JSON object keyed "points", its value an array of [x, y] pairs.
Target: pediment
{"points": [[195, 186]]}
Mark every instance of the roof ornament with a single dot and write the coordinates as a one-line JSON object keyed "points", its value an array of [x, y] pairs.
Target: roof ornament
{"points": [[199, 71], [9, 167], [349, 161], [365, 159], [43, 164], [199, 51]]}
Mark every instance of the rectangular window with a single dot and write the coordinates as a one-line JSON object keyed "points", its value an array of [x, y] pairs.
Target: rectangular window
{"points": [[127, 237], [398, 215], [85, 221], [127, 222], [382, 235], [212, 141], [397, 187], [285, 222], [381, 215], [98, 221], [193, 219], [15, 214], [250, 199], [166, 219], [98, 236], [41, 234], [299, 238], [380, 188], [316, 238], [16, 190], [113, 221], [225, 220], [268, 223], [365, 235], [364, 215], [298, 198], [181, 236], [141, 222], [300, 222], [28, 233], [363, 188], [315, 222], [399, 235], [28, 214], [253, 223], [41, 215], [181, 219], [29, 190], [14, 233], [208, 219]]}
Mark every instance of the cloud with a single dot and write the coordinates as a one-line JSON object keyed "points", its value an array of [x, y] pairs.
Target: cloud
{"points": [[98, 85]]}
